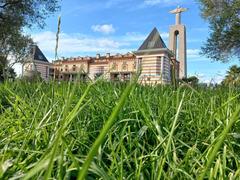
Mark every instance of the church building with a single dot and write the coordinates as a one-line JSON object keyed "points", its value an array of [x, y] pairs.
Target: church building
{"points": [[156, 62]]}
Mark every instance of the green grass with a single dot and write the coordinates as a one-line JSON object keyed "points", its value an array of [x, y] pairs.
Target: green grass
{"points": [[118, 131]]}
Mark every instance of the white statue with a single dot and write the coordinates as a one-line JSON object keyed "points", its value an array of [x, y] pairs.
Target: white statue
{"points": [[178, 12]]}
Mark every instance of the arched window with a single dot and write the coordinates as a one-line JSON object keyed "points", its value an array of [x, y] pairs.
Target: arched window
{"points": [[114, 66], [176, 33]]}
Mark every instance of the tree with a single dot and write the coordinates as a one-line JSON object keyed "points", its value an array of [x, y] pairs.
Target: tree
{"points": [[233, 76], [193, 80], [5, 71], [224, 20], [22, 13], [3, 63], [14, 16]]}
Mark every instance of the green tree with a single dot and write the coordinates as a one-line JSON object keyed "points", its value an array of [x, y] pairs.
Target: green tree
{"points": [[6, 71], [223, 16], [15, 15], [3, 63], [233, 76], [193, 80]]}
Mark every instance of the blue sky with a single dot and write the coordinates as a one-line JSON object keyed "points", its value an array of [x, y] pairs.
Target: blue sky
{"points": [[120, 26]]}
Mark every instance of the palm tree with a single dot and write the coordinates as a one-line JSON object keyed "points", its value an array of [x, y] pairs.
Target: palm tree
{"points": [[233, 76]]}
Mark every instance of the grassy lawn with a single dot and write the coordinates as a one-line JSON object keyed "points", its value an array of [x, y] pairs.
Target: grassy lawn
{"points": [[118, 131]]}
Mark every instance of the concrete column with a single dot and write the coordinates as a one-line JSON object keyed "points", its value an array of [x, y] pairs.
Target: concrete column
{"points": [[178, 18], [177, 40]]}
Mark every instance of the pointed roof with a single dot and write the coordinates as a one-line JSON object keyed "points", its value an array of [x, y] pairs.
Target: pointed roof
{"points": [[153, 41], [38, 54]]}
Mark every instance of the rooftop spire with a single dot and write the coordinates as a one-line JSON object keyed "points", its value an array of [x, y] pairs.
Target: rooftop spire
{"points": [[153, 41], [178, 12]]}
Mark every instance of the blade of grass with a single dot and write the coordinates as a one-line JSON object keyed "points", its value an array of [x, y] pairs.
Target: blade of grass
{"points": [[105, 129], [219, 143], [162, 162]]}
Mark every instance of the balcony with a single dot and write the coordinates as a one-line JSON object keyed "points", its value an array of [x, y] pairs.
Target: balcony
{"points": [[74, 70]]}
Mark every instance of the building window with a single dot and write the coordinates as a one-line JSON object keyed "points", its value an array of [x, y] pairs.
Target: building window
{"points": [[46, 72], [74, 68], [97, 75], [126, 77], [114, 66], [124, 66], [83, 77], [115, 77], [139, 63], [66, 67]]}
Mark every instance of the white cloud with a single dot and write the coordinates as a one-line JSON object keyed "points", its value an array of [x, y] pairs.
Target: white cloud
{"points": [[212, 80], [161, 2], [78, 44], [134, 36], [164, 35], [104, 28], [209, 78], [193, 53], [138, 37], [116, 3], [70, 43], [200, 29]]}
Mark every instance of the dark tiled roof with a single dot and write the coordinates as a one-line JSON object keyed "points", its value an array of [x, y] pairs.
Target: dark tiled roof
{"points": [[38, 55], [153, 41]]}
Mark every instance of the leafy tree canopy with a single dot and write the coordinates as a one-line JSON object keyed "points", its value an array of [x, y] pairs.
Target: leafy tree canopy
{"points": [[224, 18], [191, 80], [16, 15]]}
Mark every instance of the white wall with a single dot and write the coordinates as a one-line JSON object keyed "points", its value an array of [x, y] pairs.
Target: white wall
{"points": [[18, 69]]}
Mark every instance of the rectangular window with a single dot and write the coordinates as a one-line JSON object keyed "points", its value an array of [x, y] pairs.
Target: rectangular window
{"points": [[97, 75], [139, 64], [46, 71], [126, 77], [74, 68]]}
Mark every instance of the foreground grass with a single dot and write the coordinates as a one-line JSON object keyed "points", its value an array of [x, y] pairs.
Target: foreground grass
{"points": [[115, 131]]}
